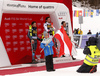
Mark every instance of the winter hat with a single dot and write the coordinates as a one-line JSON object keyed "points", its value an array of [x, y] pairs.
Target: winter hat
{"points": [[92, 41], [44, 33]]}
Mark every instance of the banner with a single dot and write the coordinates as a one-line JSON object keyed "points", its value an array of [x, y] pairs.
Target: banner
{"points": [[14, 29]]}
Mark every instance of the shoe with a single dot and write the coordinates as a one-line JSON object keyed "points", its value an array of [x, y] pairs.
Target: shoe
{"points": [[48, 70], [34, 62], [53, 70], [73, 58], [93, 70], [63, 56]]}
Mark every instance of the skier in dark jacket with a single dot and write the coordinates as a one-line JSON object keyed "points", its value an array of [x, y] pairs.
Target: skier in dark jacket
{"points": [[32, 35]]}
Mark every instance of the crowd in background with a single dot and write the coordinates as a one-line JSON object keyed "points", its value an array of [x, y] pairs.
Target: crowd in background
{"points": [[80, 32]]}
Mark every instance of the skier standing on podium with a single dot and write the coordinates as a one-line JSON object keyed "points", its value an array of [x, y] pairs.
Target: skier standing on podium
{"points": [[32, 35], [65, 25], [48, 26]]}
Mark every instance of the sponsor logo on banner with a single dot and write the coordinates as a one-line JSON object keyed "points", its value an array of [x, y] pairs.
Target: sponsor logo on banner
{"points": [[8, 43], [21, 36], [7, 31], [39, 35], [39, 29], [41, 18], [13, 18], [27, 42], [15, 43], [14, 30], [28, 48], [26, 30], [30, 6], [6, 24], [21, 30], [7, 37], [16, 5], [62, 13], [22, 48], [39, 24], [7, 19], [8, 49], [60, 17], [20, 24], [21, 42], [26, 24], [13, 24], [26, 37], [14, 37], [15, 49]]}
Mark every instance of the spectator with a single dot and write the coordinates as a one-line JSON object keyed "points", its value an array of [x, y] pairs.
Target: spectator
{"points": [[89, 32], [77, 31], [74, 31], [80, 32]]}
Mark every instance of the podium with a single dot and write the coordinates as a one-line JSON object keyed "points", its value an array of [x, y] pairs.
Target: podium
{"points": [[60, 60]]}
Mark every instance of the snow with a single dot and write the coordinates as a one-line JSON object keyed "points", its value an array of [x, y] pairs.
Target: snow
{"points": [[89, 23], [69, 71], [59, 72]]}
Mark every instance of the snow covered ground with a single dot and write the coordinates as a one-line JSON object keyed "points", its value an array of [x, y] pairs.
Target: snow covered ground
{"points": [[69, 71]]}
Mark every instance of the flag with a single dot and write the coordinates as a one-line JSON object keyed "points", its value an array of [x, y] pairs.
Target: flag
{"points": [[83, 13], [77, 13], [65, 43], [97, 12], [74, 13], [86, 13], [80, 13], [91, 13]]}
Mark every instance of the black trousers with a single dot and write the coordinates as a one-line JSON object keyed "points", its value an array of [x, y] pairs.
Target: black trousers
{"points": [[87, 69], [49, 62], [34, 45]]}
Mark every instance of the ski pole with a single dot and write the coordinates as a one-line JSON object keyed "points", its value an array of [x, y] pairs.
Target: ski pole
{"points": [[76, 44]]}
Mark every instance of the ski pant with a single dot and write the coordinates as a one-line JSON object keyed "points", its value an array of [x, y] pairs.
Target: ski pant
{"points": [[87, 69], [49, 62], [34, 45]]}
